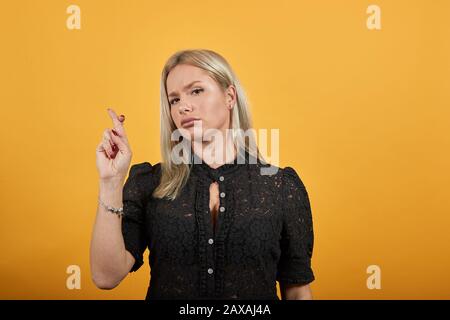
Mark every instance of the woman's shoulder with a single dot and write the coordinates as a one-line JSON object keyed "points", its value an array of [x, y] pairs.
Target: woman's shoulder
{"points": [[143, 176], [294, 189], [286, 177], [290, 173], [273, 171], [291, 178], [144, 168]]}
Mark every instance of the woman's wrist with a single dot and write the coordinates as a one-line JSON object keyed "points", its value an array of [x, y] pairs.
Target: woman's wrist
{"points": [[111, 183], [110, 192]]}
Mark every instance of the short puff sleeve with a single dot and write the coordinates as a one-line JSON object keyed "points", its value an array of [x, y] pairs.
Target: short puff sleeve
{"points": [[136, 192], [297, 240]]}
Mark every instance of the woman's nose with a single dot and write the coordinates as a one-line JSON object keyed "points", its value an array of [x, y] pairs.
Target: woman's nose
{"points": [[183, 108]]}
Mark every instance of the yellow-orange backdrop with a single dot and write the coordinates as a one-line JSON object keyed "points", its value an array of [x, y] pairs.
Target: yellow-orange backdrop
{"points": [[363, 117]]}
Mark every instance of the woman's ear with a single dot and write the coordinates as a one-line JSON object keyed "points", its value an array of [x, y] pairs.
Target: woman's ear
{"points": [[230, 96]]}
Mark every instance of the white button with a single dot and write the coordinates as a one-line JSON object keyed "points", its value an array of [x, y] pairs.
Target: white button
{"points": [[221, 178], [222, 194], [210, 271], [210, 241], [222, 209]]}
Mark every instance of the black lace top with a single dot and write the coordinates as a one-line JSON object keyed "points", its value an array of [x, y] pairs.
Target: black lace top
{"points": [[264, 232]]}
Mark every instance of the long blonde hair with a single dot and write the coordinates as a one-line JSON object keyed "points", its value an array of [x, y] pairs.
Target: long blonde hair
{"points": [[174, 176]]}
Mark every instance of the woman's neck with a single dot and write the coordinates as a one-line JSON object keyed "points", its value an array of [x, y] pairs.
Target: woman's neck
{"points": [[215, 154]]}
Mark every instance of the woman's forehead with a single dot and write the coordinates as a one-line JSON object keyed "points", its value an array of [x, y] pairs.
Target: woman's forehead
{"points": [[186, 73], [182, 77]]}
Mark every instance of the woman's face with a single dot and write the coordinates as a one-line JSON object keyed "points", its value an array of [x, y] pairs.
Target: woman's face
{"points": [[192, 93]]}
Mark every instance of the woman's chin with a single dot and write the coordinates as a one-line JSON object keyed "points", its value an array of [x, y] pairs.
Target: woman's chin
{"points": [[188, 133]]}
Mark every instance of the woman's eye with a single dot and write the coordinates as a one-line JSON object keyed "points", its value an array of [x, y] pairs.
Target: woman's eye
{"points": [[197, 90]]}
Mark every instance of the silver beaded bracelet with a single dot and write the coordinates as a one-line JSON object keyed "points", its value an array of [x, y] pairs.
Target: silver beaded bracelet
{"points": [[118, 211]]}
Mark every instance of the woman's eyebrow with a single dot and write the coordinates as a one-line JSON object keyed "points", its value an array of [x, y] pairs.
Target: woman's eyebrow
{"points": [[185, 87]]}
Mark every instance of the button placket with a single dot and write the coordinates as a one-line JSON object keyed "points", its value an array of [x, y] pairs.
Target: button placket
{"points": [[226, 196], [213, 240], [222, 194]]}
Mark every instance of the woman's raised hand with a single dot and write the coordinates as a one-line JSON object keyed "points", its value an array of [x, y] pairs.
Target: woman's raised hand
{"points": [[114, 152]]}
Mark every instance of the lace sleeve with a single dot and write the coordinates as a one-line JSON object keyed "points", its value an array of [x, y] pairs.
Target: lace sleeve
{"points": [[297, 239], [135, 192]]}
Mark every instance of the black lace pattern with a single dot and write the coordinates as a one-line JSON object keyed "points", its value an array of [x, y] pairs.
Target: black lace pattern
{"points": [[264, 232]]}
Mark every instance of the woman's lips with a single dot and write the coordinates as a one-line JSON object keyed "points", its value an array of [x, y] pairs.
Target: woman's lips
{"points": [[189, 123]]}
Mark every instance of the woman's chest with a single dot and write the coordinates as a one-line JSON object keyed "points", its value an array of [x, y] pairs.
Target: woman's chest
{"points": [[232, 217]]}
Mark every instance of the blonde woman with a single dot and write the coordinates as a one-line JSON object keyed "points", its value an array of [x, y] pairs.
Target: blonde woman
{"points": [[216, 226]]}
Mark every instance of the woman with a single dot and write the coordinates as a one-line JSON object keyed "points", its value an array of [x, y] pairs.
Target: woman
{"points": [[216, 227]]}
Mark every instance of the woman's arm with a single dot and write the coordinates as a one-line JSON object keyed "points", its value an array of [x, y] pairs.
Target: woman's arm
{"points": [[295, 292], [110, 262]]}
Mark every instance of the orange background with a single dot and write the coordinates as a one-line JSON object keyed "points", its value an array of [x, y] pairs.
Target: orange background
{"points": [[363, 116]]}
